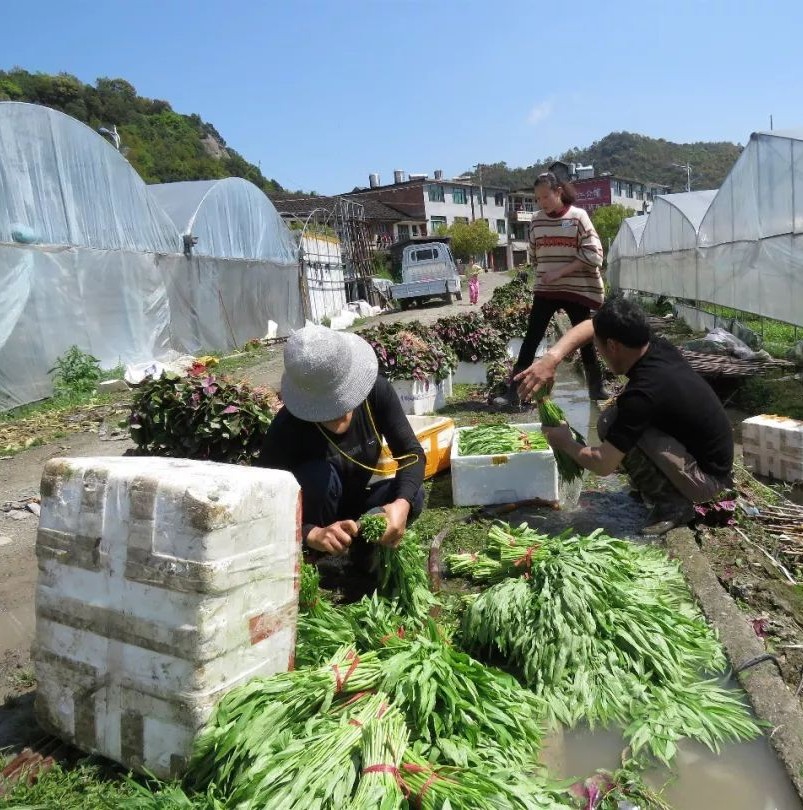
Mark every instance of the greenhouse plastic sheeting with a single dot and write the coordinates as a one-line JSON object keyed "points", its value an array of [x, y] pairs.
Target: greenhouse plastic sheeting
{"points": [[230, 218], [748, 252], [216, 304], [112, 304], [64, 184], [625, 251]]}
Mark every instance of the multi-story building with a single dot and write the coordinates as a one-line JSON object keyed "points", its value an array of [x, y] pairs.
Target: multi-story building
{"points": [[432, 204]]}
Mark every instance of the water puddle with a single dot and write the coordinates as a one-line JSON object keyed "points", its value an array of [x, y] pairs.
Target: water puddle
{"points": [[743, 776]]}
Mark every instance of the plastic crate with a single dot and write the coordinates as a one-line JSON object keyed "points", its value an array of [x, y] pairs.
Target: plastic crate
{"points": [[435, 434], [506, 478]]}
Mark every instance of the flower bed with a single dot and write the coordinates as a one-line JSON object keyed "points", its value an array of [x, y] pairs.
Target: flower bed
{"points": [[410, 351]]}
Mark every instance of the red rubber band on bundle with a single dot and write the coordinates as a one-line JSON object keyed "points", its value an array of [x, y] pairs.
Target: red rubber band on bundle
{"points": [[526, 558], [382, 709], [357, 696], [381, 769], [355, 722], [341, 682]]}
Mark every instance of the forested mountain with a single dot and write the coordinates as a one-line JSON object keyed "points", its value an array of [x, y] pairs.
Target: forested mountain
{"points": [[161, 144], [636, 157]]}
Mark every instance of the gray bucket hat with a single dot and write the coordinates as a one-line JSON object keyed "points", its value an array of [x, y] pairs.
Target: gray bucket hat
{"points": [[326, 373]]}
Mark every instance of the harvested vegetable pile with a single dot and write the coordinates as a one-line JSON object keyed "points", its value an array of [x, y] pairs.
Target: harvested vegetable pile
{"points": [[551, 415], [490, 440], [604, 631], [304, 739]]}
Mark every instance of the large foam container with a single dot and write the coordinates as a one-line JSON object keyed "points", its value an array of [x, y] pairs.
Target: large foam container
{"points": [[773, 446], [471, 373], [504, 478], [417, 397], [162, 584]]}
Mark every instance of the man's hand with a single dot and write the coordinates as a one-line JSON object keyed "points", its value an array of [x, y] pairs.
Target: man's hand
{"points": [[553, 275], [540, 375], [333, 539], [559, 437], [396, 513]]}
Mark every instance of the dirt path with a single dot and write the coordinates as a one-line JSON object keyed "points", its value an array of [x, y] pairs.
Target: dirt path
{"points": [[19, 481]]}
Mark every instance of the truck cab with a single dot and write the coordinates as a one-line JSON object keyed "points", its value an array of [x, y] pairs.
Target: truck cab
{"points": [[428, 270]]}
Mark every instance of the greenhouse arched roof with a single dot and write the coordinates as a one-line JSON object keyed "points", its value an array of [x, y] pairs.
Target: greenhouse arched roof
{"points": [[674, 221], [230, 218], [762, 196], [61, 183], [628, 238]]}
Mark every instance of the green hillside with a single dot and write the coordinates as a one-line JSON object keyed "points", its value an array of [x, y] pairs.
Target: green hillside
{"points": [[636, 157], [161, 144]]}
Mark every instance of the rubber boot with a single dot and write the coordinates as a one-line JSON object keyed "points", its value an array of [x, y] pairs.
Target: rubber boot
{"points": [[596, 386]]}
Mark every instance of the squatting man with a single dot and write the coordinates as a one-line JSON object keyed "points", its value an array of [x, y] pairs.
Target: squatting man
{"points": [[667, 429]]}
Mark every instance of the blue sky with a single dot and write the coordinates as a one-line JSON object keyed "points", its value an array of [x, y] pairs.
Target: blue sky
{"points": [[321, 93]]}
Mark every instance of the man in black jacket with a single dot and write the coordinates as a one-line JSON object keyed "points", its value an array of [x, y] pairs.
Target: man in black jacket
{"points": [[668, 429], [337, 410]]}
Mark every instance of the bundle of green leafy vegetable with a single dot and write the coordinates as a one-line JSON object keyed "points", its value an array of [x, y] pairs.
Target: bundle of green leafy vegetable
{"points": [[277, 739], [551, 415], [402, 570], [490, 440], [604, 631]]}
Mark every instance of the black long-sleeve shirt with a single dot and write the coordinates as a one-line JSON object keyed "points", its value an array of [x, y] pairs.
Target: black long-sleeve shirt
{"points": [[291, 442]]}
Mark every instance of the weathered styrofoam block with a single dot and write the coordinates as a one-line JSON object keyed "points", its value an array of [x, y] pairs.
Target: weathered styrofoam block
{"points": [[162, 584], [471, 373], [773, 446], [417, 397], [444, 389], [514, 347], [508, 478]]}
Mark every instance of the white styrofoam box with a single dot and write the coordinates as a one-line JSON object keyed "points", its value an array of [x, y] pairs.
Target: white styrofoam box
{"points": [[471, 373], [508, 478], [417, 397], [444, 391], [773, 446], [162, 584], [514, 347]]}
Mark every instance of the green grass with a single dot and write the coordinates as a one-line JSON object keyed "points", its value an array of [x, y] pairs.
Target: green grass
{"points": [[777, 336], [86, 786]]}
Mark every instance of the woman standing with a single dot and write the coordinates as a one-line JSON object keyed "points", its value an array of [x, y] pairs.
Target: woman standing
{"points": [[566, 253]]}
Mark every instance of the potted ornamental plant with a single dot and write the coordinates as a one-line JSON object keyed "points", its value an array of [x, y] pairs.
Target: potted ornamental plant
{"points": [[475, 343], [508, 311], [416, 362]]}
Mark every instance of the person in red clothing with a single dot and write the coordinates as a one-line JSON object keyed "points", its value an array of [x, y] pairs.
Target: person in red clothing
{"points": [[566, 253]]}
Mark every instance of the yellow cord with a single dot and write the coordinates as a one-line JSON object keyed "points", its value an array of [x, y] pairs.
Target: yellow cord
{"points": [[413, 456]]}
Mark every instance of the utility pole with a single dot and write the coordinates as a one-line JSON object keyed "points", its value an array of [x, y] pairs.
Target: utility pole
{"points": [[687, 167]]}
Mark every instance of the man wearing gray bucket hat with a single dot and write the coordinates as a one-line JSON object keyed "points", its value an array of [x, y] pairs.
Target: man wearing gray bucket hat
{"points": [[337, 410]]}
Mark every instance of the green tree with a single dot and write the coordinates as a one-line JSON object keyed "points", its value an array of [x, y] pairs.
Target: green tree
{"points": [[471, 239], [607, 219]]}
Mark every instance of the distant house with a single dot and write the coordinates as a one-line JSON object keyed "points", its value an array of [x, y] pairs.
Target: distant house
{"points": [[433, 203]]}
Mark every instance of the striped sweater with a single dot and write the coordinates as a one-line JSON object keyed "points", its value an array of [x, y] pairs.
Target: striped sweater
{"points": [[558, 240]]}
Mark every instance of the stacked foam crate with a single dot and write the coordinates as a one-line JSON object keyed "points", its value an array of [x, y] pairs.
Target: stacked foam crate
{"points": [[773, 446], [162, 584]]}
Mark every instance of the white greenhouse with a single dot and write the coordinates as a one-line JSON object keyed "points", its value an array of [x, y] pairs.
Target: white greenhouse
{"points": [[751, 239], [81, 242], [242, 267], [90, 257], [623, 255], [739, 247]]}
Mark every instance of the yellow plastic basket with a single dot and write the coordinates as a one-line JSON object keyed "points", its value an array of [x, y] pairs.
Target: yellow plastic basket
{"points": [[435, 434]]}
